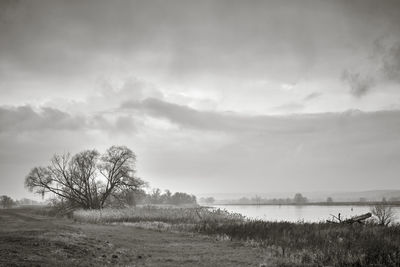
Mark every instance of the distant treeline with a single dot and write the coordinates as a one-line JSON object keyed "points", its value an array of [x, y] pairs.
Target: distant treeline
{"points": [[8, 202], [156, 196], [127, 198], [257, 200], [300, 199]]}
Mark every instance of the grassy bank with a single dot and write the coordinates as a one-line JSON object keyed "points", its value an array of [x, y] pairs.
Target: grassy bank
{"points": [[314, 244], [318, 243]]}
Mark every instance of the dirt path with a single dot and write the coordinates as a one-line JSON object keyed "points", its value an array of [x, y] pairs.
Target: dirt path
{"points": [[30, 240]]}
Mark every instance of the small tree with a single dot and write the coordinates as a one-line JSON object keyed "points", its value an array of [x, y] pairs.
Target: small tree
{"points": [[6, 202], [156, 196], [166, 197], [384, 214], [209, 200], [329, 200], [180, 198], [299, 199], [256, 200], [88, 179]]}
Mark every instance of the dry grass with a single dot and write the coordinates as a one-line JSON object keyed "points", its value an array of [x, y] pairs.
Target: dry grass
{"points": [[170, 214], [317, 244]]}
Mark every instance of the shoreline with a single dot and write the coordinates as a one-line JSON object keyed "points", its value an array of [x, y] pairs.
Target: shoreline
{"points": [[366, 204]]}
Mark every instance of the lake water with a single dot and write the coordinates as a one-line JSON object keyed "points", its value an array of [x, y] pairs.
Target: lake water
{"points": [[294, 213]]}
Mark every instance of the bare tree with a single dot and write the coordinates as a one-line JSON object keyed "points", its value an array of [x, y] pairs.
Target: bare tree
{"points": [[384, 214], [87, 179]]}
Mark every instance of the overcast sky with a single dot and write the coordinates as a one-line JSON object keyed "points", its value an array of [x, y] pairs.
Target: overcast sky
{"points": [[212, 96]]}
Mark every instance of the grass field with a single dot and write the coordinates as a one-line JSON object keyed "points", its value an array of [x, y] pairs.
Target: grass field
{"points": [[315, 244], [27, 239]]}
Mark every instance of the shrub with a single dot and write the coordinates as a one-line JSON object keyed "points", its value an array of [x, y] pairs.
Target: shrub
{"points": [[383, 213]]}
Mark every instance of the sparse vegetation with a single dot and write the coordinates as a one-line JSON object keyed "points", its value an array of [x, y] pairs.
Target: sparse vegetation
{"points": [[319, 244], [383, 213]]}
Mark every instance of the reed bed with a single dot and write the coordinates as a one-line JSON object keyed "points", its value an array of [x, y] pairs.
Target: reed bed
{"points": [[172, 215], [317, 244]]}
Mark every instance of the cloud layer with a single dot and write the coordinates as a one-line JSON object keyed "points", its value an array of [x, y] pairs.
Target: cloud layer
{"points": [[59, 49], [213, 96], [209, 151]]}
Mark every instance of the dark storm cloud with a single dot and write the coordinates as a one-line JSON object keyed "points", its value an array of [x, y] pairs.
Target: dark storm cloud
{"points": [[385, 62], [281, 39], [194, 36], [132, 88], [183, 115], [359, 84], [391, 63], [25, 119], [384, 121], [208, 120], [312, 96]]}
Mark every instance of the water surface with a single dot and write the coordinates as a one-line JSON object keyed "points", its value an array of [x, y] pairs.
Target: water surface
{"points": [[293, 213]]}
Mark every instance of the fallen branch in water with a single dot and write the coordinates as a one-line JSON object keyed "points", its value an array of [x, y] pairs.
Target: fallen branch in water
{"points": [[356, 219]]}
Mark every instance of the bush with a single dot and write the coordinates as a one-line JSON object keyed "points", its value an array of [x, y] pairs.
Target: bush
{"points": [[383, 213]]}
